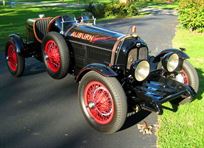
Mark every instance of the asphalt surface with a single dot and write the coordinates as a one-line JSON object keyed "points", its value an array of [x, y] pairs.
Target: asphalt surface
{"points": [[39, 112]]}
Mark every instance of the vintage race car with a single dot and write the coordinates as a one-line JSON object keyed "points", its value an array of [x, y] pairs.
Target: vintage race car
{"points": [[115, 72]]}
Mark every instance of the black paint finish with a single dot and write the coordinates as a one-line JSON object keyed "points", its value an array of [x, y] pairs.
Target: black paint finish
{"points": [[93, 48]]}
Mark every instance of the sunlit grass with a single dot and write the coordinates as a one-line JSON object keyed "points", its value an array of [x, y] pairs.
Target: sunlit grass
{"points": [[185, 128], [164, 6], [12, 20], [66, 1]]}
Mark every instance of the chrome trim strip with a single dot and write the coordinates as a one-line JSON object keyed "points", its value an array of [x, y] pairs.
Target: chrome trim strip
{"points": [[110, 31], [68, 30], [118, 44], [90, 45]]}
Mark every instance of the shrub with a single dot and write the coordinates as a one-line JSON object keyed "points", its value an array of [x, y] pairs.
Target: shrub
{"points": [[132, 10], [112, 9], [97, 9], [121, 9], [191, 14]]}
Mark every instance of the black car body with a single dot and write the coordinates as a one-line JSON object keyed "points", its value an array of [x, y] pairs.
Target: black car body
{"points": [[110, 66]]}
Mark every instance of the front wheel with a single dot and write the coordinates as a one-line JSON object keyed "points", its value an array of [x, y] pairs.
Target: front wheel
{"points": [[103, 102], [188, 76]]}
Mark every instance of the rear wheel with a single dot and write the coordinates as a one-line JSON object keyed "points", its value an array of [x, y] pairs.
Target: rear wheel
{"points": [[56, 55], [15, 61], [103, 102], [188, 76]]}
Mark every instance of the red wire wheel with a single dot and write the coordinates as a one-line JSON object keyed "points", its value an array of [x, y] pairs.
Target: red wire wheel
{"points": [[103, 102], [52, 56], [12, 57], [185, 77], [15, 61], [188, 76], [99, 102], [56, 55]]}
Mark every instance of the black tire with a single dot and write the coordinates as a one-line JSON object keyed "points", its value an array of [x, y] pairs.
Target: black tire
{"points": [[119, 102], [61, 70], [16, 67], [192, 77]]}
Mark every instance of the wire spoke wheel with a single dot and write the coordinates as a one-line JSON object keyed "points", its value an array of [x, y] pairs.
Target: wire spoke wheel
{"points": [[99, 102], [188, 76], [15, 60], [103, 102], [52, 56], [56, 55], [12, 57], [183, 77]]}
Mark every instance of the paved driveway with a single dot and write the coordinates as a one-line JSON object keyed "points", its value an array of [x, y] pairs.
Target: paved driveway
{"points": [[38, 112]]}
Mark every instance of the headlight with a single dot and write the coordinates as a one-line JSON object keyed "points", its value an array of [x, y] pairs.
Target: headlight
{"points": [[141, 70], [170, 62]]}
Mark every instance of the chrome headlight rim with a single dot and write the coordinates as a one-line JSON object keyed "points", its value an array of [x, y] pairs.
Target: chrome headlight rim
{"points": [[140, 70], [171, 62]]}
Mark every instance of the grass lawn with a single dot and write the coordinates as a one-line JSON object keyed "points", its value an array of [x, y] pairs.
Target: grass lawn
{"points": [[157, 5], [185, 128], [66, 1], [12, 20], [164, 5]]}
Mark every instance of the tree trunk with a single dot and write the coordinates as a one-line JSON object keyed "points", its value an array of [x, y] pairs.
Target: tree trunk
{"points": [[4, 2], [124, 1]]}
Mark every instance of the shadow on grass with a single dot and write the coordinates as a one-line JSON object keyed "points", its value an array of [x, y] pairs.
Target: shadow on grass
{"points": [[201, 82]]}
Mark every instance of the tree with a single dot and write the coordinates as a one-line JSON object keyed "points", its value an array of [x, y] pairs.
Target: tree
{"points": [[4, 2], [124, 1]]}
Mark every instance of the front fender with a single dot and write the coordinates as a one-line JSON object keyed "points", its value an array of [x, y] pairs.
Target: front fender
{"points": [[181, 54], [16, 39], [99, 68]]}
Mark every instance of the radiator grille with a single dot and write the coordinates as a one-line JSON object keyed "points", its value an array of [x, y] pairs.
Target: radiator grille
{"points": [[79, 53], [136, 54], [98, 55], [84, 55], [142, 53]]}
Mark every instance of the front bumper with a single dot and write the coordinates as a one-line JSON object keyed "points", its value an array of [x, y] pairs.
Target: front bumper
{"points": [[157, 90]]}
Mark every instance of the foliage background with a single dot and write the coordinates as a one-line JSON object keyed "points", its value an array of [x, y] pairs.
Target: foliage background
{"points": [[191, 14]]}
